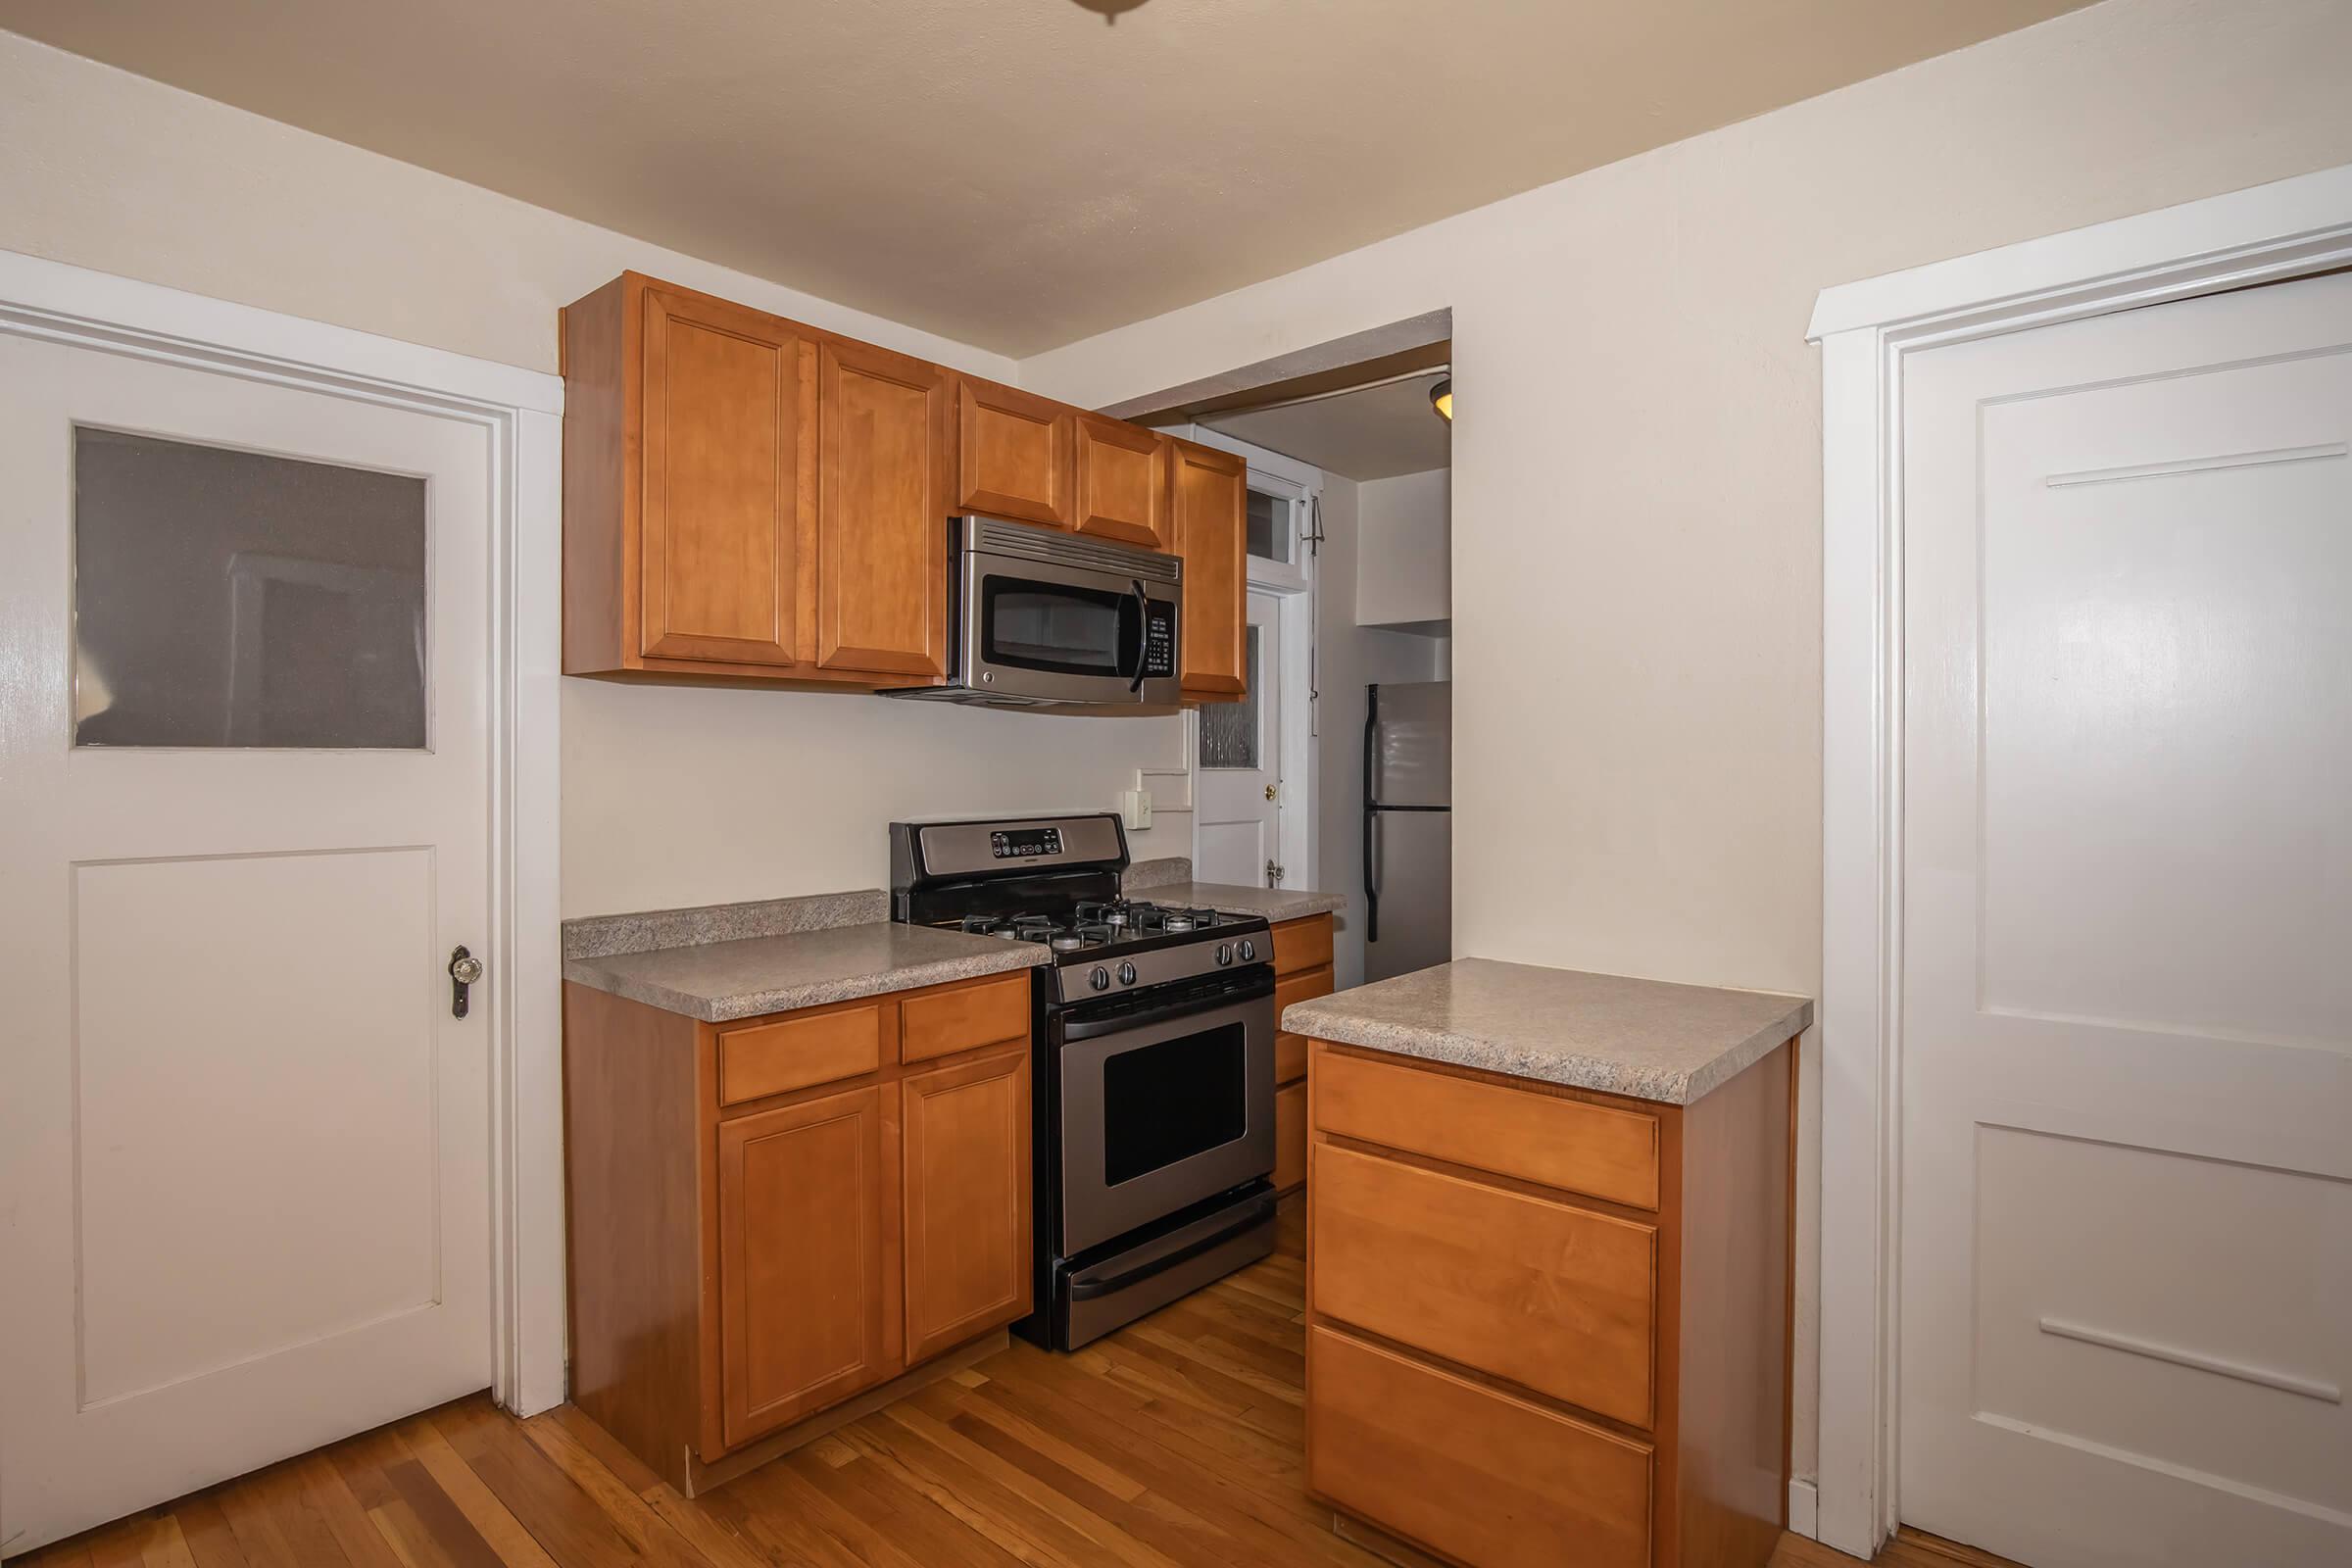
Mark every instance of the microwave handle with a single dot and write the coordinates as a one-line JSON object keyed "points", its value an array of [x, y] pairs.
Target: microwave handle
{"points": [[1142, 633]]}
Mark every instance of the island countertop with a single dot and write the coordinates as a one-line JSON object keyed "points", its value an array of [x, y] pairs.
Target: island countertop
{"points": [[1645, 1039]]}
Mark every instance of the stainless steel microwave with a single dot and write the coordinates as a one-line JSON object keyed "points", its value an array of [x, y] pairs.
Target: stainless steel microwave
{"points": [[1040, 619]]}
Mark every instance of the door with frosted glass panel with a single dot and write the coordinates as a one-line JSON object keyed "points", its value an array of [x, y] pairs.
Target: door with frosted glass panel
{"points": [[243, 1135]]}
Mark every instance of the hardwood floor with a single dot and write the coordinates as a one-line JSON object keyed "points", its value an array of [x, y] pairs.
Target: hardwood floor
{"points": [[1174, 1443]]}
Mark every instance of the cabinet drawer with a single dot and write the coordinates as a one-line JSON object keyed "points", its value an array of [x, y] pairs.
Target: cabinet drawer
{"points": [[1290, 1136], [1568, 1143], [1289, 1049], [1473, 1473], [1302, 944], [1557, 1299], [794, 1052], [947, 1021], [1290, 1057]]}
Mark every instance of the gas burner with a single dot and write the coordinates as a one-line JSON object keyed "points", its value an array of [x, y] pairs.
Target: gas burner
{"points": [[1176, 920], [1067, 942]]}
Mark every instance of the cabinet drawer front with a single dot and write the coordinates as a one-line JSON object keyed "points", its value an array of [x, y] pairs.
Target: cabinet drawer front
{"points": [[1289, 1049], [947, 1021], [1568, 1143], [770, 1058], [1290, 1136], [1557, 1299], [1473, 1473], [1290, 1057], [1302, 944]]}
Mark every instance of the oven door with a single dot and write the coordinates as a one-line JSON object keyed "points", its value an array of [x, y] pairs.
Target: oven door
{"points": [[1057, 633], [1159, 1112]]}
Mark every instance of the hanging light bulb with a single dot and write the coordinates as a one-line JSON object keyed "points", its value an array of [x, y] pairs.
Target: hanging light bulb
{"points": [[1440, 398]]}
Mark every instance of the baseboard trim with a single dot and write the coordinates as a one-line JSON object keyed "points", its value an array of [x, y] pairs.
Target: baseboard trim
{"points": [[1804, 1502]]}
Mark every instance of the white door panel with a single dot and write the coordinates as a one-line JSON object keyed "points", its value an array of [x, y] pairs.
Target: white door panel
{"points": [[1237, 782], [243, 1142], [2128, 1019]]}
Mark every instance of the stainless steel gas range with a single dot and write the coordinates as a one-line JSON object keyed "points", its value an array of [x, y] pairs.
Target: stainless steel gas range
{"points": [[1154, 1072]]}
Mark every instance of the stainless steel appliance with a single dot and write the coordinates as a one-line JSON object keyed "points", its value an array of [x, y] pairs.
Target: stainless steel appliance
{"points": [[1154, 1079], [1042, 619], [1408, 831]]}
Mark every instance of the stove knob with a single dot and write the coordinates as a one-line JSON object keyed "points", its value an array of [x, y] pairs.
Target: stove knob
{"points": [[1224, 953], [1249, 950], [1100, 979], [1127, 974]]}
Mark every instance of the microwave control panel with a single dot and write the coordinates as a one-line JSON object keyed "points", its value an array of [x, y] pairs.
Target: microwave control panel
{"points": [[1160, 639]]}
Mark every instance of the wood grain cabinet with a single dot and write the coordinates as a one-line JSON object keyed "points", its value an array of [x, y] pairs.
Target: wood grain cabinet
{"points": [[747, 498], [1123, 477], [1302, 972], [1209, 499], [1546, 1325], [1017, 454], [777, 1221]]}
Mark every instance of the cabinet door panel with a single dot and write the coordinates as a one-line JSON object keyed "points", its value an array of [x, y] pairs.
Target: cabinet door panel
{"points": [[1123, 482], [1013, 457], [1211, 491], [727, 414], [968, 1200], [808, 1266], [882, 509]]}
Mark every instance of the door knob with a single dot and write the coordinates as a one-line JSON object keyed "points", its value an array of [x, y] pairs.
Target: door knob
{"points": [[463, 970]]}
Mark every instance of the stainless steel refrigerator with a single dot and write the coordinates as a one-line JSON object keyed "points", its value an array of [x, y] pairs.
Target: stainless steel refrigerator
{"points": [[1408, 833]]}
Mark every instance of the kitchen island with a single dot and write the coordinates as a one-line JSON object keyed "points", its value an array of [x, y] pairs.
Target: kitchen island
{"points": [[1549, 1221]]}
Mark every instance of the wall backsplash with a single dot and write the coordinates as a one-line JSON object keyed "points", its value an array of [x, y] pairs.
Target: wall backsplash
{"points": [[682, 795]]}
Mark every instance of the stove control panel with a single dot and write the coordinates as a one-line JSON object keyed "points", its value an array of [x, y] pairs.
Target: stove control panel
{"points": [[1024, 843]]}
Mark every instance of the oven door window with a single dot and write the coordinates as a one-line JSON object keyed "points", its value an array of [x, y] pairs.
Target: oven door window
{"points": [[1167, 1103], [1057, 629]]}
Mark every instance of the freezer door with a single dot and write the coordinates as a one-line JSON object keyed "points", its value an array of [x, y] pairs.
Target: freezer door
{"points": [[1412, 866], [1412, 743]]}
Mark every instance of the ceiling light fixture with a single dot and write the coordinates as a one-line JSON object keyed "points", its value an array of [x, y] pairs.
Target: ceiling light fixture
{"points": [[1440, 398]]}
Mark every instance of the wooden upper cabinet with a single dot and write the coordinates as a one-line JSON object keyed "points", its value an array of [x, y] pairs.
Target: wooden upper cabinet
{"points": [[1209, 494], [1123, 482], [1014, 453], [728, 423], [809, 1274], [882, 490]]}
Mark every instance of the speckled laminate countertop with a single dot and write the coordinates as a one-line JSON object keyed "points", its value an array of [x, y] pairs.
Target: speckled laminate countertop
{"points": [[720, 981], [1646, 1039], [1275, 903]]}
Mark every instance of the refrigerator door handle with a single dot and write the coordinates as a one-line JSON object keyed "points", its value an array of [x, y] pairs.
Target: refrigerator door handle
{"points": [[1371, 815]]}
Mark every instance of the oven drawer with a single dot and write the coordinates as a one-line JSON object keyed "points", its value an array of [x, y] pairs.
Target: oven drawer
{"points": [[796, 1051], [1466, 1469], [1570, 1143], [939, 1023], [1556, 1299]]}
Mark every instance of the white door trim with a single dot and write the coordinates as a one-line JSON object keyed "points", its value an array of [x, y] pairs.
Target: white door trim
{"points": [[521, 411], [2267, 233]]}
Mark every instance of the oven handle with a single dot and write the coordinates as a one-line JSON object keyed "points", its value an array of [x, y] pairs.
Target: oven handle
{"points": [[1074, 1030], [1087, 1287]]}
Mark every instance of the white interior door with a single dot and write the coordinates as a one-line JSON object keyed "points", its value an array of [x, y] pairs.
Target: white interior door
{"points": [[2127, 1172], [1237, 786], [244, 1190]]}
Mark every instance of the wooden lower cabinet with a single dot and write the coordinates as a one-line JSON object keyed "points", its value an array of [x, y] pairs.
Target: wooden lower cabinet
{"points": [[1303, 968], [807, 1196], [1548, 1325], [750, 1248], [967, 1173]]}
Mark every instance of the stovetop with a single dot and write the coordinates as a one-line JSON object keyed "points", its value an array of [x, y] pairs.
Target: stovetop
{"points": [[1125, 925]]}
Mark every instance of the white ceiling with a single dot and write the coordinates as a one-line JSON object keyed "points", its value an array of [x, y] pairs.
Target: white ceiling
{"points": [[1014, 174], [1377, 433]]}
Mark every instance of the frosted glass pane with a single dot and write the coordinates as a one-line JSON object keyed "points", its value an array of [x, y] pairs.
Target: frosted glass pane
{"points": [[1269, 526], [235, 599], [1229, 730]]}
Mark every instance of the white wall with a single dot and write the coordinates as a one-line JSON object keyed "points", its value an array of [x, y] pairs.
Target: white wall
{"points": [[672, 794], [1404, 571], [1347, 659], [1637, 636]]}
